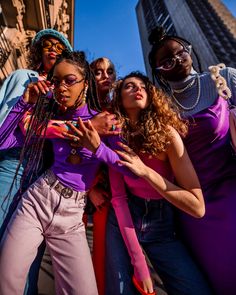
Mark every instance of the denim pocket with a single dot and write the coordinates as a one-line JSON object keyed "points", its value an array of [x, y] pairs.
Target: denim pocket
{"points": [[153, 219]]}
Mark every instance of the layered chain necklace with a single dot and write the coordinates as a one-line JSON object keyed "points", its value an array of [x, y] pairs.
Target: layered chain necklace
{"points": [[197, 79]]}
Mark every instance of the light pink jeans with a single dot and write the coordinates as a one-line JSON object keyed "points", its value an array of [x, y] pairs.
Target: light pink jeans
{"points": [[43, 213]]}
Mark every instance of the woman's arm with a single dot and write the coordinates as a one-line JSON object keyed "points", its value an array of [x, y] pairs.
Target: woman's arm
{"points": [[11, 122], [85, 135], [12, 89], [187, 195], [102, 122], [120, 205], [55, 128]]}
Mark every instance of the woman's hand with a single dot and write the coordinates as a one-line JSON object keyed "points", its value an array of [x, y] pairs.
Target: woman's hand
{"points": [[132, 160], [106, 124], [145, 286], [83, 136], [33, 91], [98, 197]]}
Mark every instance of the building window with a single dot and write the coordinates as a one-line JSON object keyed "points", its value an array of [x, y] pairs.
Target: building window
{"points": [[2, 19]]}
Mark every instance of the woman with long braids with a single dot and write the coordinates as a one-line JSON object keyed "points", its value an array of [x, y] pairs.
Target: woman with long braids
{"points": [[46, 46], [211, 239], [53, 206]]}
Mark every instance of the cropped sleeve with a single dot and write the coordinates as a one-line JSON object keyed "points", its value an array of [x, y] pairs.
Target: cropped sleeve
{"points": [[120, 205]]}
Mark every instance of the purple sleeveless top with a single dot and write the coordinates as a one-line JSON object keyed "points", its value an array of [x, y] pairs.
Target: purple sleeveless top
{"points": [[212, 239], [208, 144]]}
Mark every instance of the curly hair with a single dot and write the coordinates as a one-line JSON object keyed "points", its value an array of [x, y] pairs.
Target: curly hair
{"points": [[34, 57], [151, 133]]}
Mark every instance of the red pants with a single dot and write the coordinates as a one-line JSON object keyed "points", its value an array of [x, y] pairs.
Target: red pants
{"points": [[99, 235]]}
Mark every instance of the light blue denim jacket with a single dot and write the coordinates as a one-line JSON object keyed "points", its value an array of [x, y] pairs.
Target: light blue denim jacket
{"points": [[13, 88]]}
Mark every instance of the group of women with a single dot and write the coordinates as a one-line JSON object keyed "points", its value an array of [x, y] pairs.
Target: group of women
{"points": [[155, 162]]}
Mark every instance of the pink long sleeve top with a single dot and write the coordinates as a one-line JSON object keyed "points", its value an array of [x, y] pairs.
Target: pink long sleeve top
{"points": [[141, 188]]}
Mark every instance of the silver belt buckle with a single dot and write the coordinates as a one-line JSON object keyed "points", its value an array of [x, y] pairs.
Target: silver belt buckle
{"points": [[67, 192]]}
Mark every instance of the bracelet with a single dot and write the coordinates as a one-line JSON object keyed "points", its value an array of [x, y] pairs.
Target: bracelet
{"points": [[220, 82]]}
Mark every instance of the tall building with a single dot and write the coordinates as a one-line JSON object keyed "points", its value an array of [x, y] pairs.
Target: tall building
{"points": [[207, 24], [20, 20]]}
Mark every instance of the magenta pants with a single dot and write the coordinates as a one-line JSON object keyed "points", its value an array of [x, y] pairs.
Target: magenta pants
{"points": [[44, 213]]}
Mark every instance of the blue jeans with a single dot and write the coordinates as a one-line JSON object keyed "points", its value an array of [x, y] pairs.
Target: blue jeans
{"points": [[9, 160], [154, 225]]}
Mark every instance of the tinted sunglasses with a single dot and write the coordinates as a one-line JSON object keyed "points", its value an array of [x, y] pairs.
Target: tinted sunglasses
{"points": [[47, 44]]}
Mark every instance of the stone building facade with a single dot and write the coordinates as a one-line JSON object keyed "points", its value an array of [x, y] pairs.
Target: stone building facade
{"points": [[20, 20]]}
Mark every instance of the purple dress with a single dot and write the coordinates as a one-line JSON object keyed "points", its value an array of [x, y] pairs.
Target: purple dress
{"points": [[213, 238]]}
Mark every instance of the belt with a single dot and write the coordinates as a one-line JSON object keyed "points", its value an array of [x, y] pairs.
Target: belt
{"points": [[65, 191]]}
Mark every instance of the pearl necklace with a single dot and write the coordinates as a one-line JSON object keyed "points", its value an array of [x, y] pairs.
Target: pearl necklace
{"points": [[185, 88]]}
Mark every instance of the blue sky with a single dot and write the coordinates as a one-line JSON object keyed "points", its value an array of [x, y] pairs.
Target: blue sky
{"points": [[109, 28]]}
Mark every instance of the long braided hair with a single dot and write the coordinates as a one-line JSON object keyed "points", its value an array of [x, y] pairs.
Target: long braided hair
{"points": [[45, 109], [157, 38], [31, 154]]}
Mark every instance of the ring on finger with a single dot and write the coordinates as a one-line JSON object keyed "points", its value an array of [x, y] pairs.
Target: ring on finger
{"points": [[75, 139], [113, 127]]}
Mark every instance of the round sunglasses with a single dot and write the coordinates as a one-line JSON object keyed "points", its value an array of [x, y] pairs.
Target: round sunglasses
{"points": [[169, 63], [47, 44]]}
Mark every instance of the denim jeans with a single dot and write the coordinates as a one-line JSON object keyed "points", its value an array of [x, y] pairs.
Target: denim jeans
{"points": [[155, 229], [45, 212], [9, 160]]}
